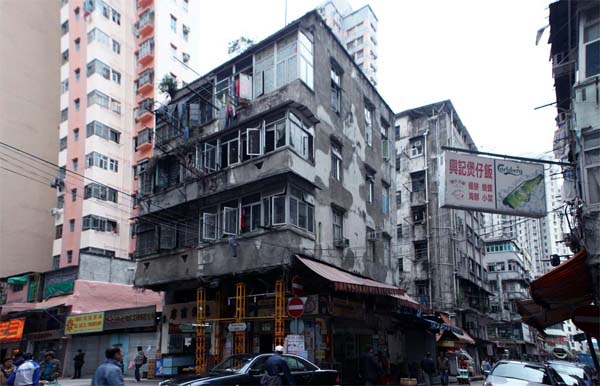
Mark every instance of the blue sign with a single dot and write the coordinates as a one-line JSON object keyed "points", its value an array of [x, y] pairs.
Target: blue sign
{"points": [[158, 368]]}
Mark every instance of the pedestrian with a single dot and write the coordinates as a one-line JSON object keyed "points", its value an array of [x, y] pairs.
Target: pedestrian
{"points": [[443, 368], [276, 368], [486, 366], [50, 368], [428, 367], [6, 370], [384, 366], [139, 360], [27, 374], [109, 373], [78, 361], [18, 359], [369, 367]]}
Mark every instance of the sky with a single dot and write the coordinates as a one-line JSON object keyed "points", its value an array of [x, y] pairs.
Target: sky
{"points": [[481, 54]]}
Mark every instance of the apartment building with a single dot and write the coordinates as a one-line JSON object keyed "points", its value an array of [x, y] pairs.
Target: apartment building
{"points": [[357, 30], [267, 178], [28, 104]]}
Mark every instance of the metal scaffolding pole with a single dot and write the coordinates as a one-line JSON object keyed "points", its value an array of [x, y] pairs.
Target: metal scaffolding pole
{"points": [[279, 313], [240, 315], [200, 331]]}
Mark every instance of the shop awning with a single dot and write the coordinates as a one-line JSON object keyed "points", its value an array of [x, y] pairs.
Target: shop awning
{"points": [[459, 334], [408, 301], [346, 282], [15, 307], [558, 293], [18, 280], [570, 282]]}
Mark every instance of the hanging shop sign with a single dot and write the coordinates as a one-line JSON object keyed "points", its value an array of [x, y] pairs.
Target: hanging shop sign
{"points": [[44, 335], [84, 323], [11, 330], [130, 318], [237, 327], [492, 185]]}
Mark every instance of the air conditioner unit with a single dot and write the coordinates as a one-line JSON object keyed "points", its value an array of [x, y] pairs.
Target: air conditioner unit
{"points": [[55, 211], [343, 243]]}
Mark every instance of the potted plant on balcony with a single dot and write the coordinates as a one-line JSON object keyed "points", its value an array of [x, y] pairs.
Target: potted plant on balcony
{"points": [[168, 85]]}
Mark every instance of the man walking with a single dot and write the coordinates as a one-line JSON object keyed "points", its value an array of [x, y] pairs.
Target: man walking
{"points": [[428, 367], [140, 359], [444, 368], [78, 361], [109, 373], [27, 374], [369, 367], [50, 368], [275, 366]]}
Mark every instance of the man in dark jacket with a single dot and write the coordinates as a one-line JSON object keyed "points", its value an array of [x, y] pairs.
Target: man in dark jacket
{"points": [[109, 373], [428, 367], [275, 367], [369, 367], [78, 361], [50, 368]]}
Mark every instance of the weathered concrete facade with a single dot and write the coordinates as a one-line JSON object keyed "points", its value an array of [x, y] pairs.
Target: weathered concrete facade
{"points": [[440, 250], [244, 194]]}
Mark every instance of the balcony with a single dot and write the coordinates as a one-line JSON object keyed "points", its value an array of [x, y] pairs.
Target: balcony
{"points": [[146, 57], [144, 140], [144, 3], [144, 113], [145, 82], [146, 23]]}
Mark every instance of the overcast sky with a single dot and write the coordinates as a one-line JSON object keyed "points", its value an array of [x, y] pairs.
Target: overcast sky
{"points": [[481, 54]]}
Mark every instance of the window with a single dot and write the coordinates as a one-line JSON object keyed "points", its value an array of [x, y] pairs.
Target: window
{"points": [[418, 181], [387, 249], [60, 201], [101, 161], [64, 28], [98, 67], [97, 223], [420, 249], [64, 114], [99, 36], [113, 165], [173, 51], [72, 225], [418, 214], [385, 198], [116, 17], [385, 142], [336, 87], [370, 187], [76, 135], [116, 77], [77, 44], [185, 57], [144, 136], [591, 41], [97, 98], [64, 86], [371, 246], [101, 192], [301, 212], [75, 163], [306, 59], [69, 257], [591, 166], [102, 130], [65, 57], [116, 47], [338, 224], [73, 195], [399, 231], [336, 161], [63, 143], [416, 146], [173, 24], [185, 30], [115, 105], [301, 137], [401, 264], [77, 73], [77, 104], [251, 213], [58, 229], [368, 123], [56, 262], [146, 48]]}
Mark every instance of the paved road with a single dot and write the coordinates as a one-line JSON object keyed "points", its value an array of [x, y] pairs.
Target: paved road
{"points": [[88, 382]]}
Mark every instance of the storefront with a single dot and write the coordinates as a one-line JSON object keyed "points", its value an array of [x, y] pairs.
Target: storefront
{"points": [[11, 333]]}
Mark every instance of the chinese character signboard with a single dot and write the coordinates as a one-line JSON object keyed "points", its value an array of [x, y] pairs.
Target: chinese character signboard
{"points": [[11, 330], [492, 185], [84, 323], [130, 318]]}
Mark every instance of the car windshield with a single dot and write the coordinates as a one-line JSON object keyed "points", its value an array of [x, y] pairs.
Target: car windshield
{"points": [[566, 369], [233, 364], [522, 371]]}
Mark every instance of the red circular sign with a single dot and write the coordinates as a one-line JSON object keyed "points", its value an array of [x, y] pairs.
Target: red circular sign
{"points": [[587, 319], [297, 287], [295, 307]]}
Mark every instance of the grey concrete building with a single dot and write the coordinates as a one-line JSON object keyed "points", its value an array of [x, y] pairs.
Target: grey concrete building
{"points": [[440, 251], [277, 159]]}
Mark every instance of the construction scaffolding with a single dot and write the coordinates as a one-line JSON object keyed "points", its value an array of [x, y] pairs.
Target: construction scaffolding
{"points": [[200, 331], [279, 313], [240, 315]]}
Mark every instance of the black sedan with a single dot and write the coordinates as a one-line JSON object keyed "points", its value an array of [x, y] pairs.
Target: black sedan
{"points": [[248, 369]]}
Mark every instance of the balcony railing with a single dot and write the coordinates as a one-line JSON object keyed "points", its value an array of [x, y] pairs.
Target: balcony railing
{"points": [[145, 81], [146, 23]]}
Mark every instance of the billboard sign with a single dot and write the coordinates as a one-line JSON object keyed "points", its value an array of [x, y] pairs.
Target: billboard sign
{"points": [[492, 185], [84, 323], [130, 318]]}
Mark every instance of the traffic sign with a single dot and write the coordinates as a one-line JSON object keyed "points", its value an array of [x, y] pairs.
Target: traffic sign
{"points": [[295, 307], [236, 327], [587, 319], [297, 286]]}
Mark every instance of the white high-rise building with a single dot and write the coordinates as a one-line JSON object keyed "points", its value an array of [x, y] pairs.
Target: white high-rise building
{"points": [[357, 30]]}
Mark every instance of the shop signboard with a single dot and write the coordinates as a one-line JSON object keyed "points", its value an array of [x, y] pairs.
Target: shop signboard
{"points": [[237, 327], [130, 318], [44, 335], [295, 345], [347, 309], [492, 185], [11, 330], [84, 323]]}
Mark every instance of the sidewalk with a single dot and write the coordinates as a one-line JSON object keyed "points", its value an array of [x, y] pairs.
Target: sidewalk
{"points": [[88, 381]]}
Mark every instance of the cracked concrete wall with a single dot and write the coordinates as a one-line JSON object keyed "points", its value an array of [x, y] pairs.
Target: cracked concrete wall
{"points": [[348, 129]]}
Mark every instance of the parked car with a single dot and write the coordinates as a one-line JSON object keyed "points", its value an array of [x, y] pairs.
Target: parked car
{"points": [[247, 369], [516, 373], [573, 373]]}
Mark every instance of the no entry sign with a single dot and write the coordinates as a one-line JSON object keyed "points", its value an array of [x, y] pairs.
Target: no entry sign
{"points": [[297, 287], [295, 307], [587, 319]]}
